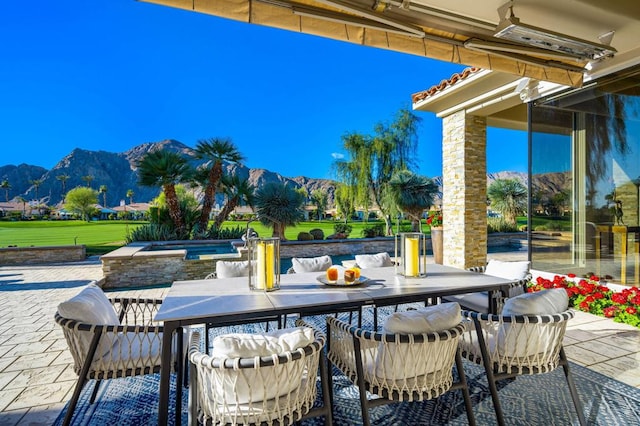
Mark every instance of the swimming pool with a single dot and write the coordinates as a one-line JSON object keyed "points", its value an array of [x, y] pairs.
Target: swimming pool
{"points": [[196, 251]]}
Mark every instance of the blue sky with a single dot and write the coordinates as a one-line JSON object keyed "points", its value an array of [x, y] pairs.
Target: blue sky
{"points": [[109, 75]]}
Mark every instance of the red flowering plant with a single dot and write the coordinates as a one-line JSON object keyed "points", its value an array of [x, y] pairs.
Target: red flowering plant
{"points": [[434, 219], [591, 295]]}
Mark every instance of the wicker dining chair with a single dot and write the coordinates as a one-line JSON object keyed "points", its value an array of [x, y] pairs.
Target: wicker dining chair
{"points": [[122, 340], [509, 346], [275, 389], [397, 367], [493, 301]]}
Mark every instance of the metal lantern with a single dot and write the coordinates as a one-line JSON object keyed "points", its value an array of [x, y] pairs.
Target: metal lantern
{"points": [[410, 251], [264, 264]]}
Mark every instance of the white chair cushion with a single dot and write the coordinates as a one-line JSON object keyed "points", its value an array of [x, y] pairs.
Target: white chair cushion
{"points": [[545, 302], [90, 306], [508, 270], [230, 269], [378, 260], [311, 264], [246, 345], [397, 361], [251, 385], [424, 320], [521, 340]]}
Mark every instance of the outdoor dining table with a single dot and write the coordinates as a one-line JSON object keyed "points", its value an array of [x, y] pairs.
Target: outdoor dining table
{"points": [[225, 300]]}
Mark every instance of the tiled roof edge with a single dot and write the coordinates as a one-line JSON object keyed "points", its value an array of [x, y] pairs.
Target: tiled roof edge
{"points": [[455, 78]]}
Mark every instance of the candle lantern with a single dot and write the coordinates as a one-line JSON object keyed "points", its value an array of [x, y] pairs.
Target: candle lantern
{"points": [[264, 263], [410, 248]]}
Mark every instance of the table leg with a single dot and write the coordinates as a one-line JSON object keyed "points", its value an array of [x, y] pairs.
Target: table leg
{"points": [[165, 374]]}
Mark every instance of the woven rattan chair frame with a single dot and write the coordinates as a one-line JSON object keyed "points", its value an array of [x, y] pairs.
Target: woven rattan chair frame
{"points": [[298, 405], [345, 347], [514, 357], [137, 327]]}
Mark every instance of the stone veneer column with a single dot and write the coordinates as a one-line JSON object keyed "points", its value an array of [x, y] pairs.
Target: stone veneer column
{"points": [[464, 181]]}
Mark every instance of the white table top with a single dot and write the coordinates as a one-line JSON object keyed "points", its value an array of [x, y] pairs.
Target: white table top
{"points": [[191, 302]]}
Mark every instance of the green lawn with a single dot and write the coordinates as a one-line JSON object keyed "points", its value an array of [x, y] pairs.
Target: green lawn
{"points": [[99, 237], [103, 236]]}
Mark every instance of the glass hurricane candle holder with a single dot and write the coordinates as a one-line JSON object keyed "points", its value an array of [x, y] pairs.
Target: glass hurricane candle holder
{"points": [[410, 252], [264, 264]]}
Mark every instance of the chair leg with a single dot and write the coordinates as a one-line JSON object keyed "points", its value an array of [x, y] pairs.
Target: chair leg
{"points": [[207, 327], [327, 397], [361, 387], [465, 389], [82, 377], [489, 372], [74, 400], [572, 387], [375, 318], [95, 391], [179, 374]]}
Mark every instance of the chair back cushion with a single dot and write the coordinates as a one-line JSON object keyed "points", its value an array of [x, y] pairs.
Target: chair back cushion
{"points": [[90, 306], [424, 320], [398, 361], [522, 340], [231, 269], [508, 270], [311, 264], [544, 302], [377, 260], [246, 385]]}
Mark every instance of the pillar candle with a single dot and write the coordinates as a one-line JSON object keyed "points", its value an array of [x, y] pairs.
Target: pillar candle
{"points": [[261, 266], [270, 261], [411, 256]]}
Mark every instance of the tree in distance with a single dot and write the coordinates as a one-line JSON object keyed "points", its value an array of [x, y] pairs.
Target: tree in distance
{"points": [[82, 201]]}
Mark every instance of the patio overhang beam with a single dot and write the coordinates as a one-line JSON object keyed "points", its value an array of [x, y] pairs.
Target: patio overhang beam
{"points": [[397, 29]]}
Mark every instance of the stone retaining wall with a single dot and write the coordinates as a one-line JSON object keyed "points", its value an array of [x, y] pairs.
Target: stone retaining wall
{"points": [[36, 255], [132, 266]]}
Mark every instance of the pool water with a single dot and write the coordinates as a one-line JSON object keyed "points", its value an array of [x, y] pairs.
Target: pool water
{"points": [[198, 251]]}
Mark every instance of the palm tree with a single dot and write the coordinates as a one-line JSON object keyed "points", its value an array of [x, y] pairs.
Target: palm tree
{"points": [[24, 205], [509, 197], [103, 191], [238, 191], [88, 179], [36, 184], [165, 169], [412, 194], [215, 151], [6, 186], [63, 181], [130, 195], [279, 206]]}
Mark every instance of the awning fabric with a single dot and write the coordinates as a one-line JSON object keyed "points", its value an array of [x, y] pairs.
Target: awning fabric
{"points": [[280, 14]]}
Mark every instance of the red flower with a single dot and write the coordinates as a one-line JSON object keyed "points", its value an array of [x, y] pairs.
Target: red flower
{"points": [[631, 310], [571, 275], [598, 295], [609, 312], [619, 298]]}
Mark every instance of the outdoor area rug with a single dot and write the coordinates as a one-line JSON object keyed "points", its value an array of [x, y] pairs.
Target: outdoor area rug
{"points": [[527, 400]]}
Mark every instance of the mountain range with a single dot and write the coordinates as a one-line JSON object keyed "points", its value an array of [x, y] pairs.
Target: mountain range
{"points": [[118, 172]]}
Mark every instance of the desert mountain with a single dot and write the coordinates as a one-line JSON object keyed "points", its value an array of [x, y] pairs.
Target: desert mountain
{"points": [[118, 172]]}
